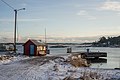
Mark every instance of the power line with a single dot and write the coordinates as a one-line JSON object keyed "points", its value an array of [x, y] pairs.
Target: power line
{"points": [[7, 4], [15, 10]]}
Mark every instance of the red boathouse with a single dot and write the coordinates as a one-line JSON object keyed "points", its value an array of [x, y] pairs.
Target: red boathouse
{"points": [[35, 48]]}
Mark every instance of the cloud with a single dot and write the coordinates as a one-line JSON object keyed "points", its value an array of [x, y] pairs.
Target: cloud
{"points": [[23, 20], [42, 19], [77, 5], [50, 39], [110, 5], [118, 14], [6, 39], [23, 5], [6, 36], [8, 20], [84, 13], [53, 39]]}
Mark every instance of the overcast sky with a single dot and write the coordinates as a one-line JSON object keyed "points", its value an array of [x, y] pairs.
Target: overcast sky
{"points": [[62, 18]]}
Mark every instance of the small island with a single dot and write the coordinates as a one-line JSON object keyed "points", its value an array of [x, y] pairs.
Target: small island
{"points": [[107, 42]]}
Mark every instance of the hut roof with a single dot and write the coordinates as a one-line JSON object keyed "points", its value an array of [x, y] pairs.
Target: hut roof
{"points": [[37, 42]]}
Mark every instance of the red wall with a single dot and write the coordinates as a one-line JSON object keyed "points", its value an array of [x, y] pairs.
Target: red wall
{"points": [[27, 48]]}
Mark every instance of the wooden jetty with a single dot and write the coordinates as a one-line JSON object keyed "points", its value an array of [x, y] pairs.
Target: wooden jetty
{"points": [[91, 54], [88, 53], [92, 57]]}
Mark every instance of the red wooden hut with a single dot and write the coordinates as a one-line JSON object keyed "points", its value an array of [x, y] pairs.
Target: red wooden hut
{"points": [[35, 48]]}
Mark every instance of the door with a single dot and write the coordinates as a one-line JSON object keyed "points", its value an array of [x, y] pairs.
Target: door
{"points": [[32, 49]]}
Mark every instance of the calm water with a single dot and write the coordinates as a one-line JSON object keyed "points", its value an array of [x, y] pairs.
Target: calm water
{"points": [[113, 55]]}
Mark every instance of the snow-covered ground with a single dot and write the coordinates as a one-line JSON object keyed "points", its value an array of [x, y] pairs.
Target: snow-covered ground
{"points": [[50, 68], [11, 58]]}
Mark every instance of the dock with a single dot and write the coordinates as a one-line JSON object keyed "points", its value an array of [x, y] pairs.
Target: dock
{"points": [[92, 57], [91, 54], [88, 53]]}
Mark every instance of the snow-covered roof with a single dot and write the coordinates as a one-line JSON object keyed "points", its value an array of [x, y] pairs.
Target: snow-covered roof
{"points": [[36, 42]]}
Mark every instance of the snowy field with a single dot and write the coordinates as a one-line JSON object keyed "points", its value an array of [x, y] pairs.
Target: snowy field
{"points": [[50, 68]]}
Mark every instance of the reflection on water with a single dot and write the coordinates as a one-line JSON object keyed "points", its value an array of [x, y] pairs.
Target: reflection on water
{"points": [[113, 55]]}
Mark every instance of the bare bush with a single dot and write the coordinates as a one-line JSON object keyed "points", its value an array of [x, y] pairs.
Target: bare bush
{"points": [[77, 61]]}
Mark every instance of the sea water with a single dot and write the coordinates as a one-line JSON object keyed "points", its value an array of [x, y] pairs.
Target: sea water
{"points": [[113, 55]]}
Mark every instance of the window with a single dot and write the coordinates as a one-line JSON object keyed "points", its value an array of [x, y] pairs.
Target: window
{"points": [[44, 47]]}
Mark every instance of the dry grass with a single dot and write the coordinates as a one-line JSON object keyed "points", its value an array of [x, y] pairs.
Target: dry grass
{"points": [[77, 61], [5, 57]]}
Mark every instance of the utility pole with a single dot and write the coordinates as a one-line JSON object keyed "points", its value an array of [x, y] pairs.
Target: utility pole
{"points": [[15, 10], [15, 31], [45, 36]]}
